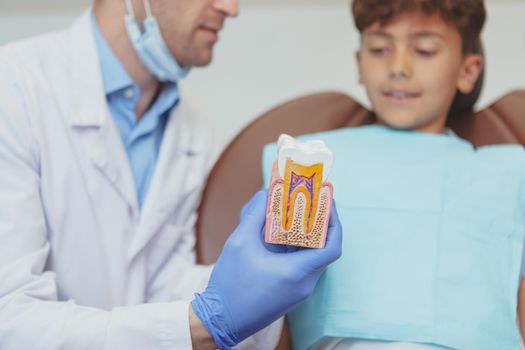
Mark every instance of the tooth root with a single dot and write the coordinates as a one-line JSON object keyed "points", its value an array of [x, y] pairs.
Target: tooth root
{"points": [[301, 179]]}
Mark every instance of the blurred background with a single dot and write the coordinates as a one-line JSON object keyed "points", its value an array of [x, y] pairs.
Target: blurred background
{"points": [[280, 49]]}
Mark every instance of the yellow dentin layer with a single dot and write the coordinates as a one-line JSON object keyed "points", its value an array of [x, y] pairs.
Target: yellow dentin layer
{"points": [[306, 180]]}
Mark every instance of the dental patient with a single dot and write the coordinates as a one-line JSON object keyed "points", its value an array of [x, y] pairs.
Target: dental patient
{"points": [[433, 227]]}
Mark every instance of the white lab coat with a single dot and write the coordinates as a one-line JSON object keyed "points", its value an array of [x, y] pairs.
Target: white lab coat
{"points": [[80, 266]]}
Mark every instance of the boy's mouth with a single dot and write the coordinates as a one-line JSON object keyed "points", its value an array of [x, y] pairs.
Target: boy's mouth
{"points": [[400, 96]]}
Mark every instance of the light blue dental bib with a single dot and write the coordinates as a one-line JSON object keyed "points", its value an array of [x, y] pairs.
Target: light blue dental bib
{"points": [[433, 235]]}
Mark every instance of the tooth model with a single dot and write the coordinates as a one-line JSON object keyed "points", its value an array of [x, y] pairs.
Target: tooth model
{"points": [[299, 198]]}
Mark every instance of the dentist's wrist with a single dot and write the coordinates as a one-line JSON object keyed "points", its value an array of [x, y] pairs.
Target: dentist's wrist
{"points": [[200, 337], [210, 309]]}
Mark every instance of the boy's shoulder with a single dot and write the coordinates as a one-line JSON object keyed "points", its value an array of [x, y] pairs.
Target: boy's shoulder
{"points": [[510, 156], [510, 149], [373, 137]]}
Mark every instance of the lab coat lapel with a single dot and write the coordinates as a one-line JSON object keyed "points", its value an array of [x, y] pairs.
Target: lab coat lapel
{"points": [[172, 180], [107, 154], [90, 117]]}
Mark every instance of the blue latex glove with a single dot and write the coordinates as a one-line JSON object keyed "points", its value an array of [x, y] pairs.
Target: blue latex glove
{"points": [[252, 284]]}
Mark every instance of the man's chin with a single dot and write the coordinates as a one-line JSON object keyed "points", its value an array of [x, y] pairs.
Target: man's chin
{"points": [[201, 60]]}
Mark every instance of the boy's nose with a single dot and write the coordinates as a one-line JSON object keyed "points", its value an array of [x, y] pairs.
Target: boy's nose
{"points": [[399, 66], [228, 7]]}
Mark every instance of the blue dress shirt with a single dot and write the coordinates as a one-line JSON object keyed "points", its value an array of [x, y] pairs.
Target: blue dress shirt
{"points": [[141, 139]]}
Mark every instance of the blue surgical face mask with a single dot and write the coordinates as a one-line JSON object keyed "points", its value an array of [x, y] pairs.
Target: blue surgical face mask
{"points": [[151, 47]]}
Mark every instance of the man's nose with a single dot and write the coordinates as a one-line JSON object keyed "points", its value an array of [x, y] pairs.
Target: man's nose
{"points": [[228, 7]]}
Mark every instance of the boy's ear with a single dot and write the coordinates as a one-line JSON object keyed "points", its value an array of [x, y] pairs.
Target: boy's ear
{"points": [[470, 71], [358, 60]]}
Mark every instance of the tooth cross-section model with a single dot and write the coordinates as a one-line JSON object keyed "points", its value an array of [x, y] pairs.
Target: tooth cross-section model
{"points": [[299, 198]]}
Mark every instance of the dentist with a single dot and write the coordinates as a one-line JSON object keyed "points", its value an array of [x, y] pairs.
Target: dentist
{"points": [[102, 162]]}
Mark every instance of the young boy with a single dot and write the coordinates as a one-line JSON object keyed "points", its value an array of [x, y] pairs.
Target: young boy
{"points": [[433, 227]]}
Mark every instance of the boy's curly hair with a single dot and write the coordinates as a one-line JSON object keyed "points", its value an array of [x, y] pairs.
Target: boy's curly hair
{"points": [[468, 16]]}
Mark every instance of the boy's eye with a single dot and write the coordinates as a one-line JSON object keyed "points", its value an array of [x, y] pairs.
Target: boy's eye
{"points": [[426, 53], [378, 51]]}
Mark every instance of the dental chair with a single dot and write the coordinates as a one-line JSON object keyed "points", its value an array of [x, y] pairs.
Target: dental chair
{"points": [[237, 175]]}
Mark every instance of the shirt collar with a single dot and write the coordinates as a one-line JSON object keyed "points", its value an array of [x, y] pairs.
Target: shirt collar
{"points": [[451, 133], [114, 76]]}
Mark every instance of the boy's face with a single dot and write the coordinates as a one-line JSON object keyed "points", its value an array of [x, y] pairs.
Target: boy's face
{"points": [[411, 69]]}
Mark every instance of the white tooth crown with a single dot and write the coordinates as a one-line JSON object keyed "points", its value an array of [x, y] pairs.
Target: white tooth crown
{"points": [[304, 153]]}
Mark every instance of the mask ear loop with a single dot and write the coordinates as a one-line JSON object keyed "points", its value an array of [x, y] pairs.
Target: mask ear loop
{"points": [[147, 7], [129, 6]]}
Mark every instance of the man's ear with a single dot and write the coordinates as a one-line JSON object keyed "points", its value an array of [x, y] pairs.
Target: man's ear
{"points": [[358, 61], [469, 72]]}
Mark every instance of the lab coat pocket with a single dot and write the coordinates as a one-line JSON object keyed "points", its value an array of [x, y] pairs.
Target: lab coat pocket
{"points": [[182, 211], [174, 236]]}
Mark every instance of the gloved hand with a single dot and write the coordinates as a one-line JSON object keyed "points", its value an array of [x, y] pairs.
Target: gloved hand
{"points": [[252, 285]]}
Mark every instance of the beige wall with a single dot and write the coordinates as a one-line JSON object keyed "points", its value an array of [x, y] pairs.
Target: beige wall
{"points": [[46, 5]]}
